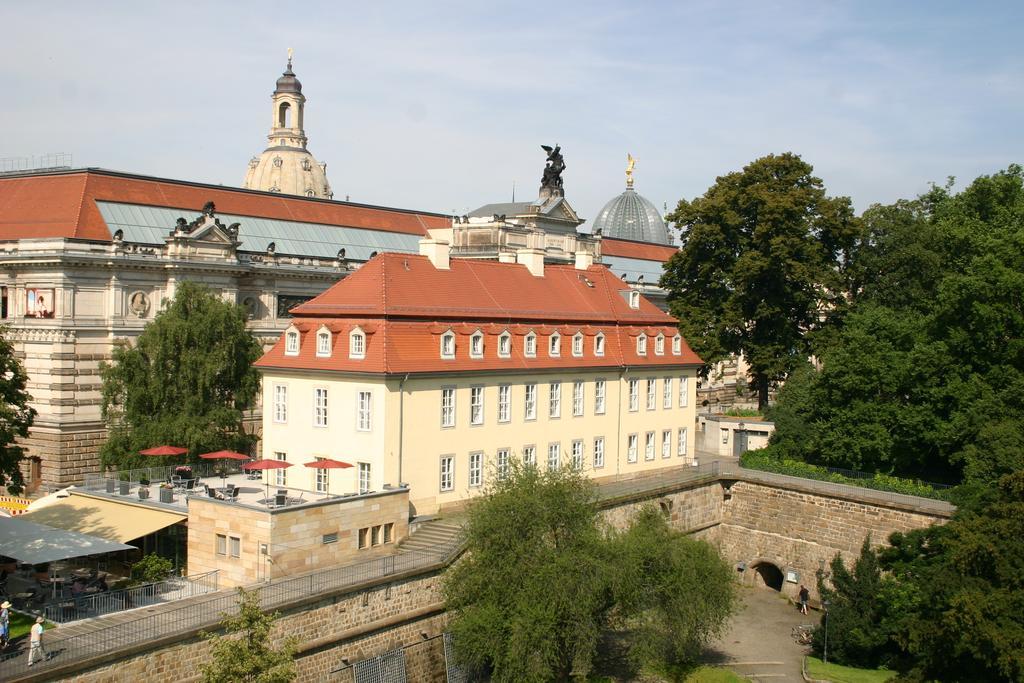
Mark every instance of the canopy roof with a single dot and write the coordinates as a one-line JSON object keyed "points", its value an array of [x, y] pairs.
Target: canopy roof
{"points": [[34, 543], [113, 520]]}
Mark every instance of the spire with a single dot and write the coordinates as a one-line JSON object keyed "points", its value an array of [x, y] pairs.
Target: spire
{"points": [[289, 68], [630, 163]]}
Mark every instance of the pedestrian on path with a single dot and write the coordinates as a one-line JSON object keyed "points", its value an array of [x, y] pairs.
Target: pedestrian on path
{"points": [[5, 624], [805, 595], [35, 648]]}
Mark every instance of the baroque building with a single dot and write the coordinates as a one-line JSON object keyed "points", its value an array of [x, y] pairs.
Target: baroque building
{"points": [[286, 165]]}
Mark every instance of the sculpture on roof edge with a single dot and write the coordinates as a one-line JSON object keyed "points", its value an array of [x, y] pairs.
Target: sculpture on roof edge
{"points": [[630, 164], [553, 168]]}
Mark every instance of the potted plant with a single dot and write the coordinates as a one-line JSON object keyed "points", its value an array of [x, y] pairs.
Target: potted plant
{"points": [[143, 493], [123, 486], [166, 492], [183, 471], [110, 485], [143, 481]]}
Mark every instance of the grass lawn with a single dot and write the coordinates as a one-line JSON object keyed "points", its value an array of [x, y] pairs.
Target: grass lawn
{"points": [[21, 623], [845, 674], [713, 674]]}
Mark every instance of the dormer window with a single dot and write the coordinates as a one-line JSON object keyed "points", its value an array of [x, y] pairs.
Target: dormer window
{"points": [[677, 345], [634, 299], [357, 344], [659, 345], [476, 345], [448, 345], [599, 344], [323, 343], [577, 344], [555, 345], [641, 345], [530, 345], [505, 345], [291, 343]]}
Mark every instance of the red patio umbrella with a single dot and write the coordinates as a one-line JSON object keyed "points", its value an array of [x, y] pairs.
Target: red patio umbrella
{"points": [[327, 464], [164, 450], [224, 455], [266, 465]]}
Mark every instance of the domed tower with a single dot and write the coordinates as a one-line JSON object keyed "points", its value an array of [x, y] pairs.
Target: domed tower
{"points": [[631, 216], [286, 165]]}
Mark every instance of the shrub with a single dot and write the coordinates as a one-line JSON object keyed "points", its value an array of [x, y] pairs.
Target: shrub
{"points": [[151, 569]]}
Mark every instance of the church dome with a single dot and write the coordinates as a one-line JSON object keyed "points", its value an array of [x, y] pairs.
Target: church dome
{"points": [[288, 82], [631, 216]]}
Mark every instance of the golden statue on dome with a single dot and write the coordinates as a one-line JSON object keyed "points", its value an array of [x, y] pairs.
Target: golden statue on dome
{"points": [[630, 163]]}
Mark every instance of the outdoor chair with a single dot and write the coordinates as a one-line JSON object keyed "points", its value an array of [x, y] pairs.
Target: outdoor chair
{"points": [[210, 492], [190, 484], [280, 500], [297, 501], [233, 494]]}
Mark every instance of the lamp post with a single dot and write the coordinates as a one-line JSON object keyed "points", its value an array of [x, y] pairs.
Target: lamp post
{"points": [[824, 656]]}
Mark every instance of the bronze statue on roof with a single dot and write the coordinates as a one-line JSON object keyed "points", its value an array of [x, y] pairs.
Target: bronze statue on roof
{"points": [[553, 168]]}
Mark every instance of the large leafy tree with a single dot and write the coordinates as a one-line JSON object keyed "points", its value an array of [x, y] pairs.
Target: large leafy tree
{"points": [[244, 651], [16, 416], [542, 581], [185, 382], [762, 264]]}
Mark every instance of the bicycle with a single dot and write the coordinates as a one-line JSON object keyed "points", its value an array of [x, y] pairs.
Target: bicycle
{"points": [[803, 633]]}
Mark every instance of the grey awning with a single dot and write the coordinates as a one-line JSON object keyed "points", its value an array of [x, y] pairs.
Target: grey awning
{"points": [[37, 543]]}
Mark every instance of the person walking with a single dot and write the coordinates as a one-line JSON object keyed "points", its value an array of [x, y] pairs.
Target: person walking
{"points": [[5, 624], [35, 647], [805, 595]]}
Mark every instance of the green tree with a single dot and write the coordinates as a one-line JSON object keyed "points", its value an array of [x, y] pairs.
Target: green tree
{"points": [[243, 652], [541, 582], [763, 257], [185, 382], [15, 417]]}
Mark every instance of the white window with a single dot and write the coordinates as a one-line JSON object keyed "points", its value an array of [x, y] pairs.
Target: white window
{"points": [[649, 446], [503, 463], [364, 477], [447, 472], [323, 343], [631, 448], [530, 456], [666, 443], [555, 400], [447, 406], [280, 403], [356, 344], [641, 345], [659, 345], [652, 393], [577, 344], [553, 452], [577, 399], [448, 345], [677, 345], [684, 394], [530, 402], [599, 393], [476, 345], [505, 345], [577, 455], [320, 407], [634, 395], [599, 344], [598, 451], [235, 546], [666, 393], [281, 474], [476, 469], [322, 481], [476, 405], [530, 345], [681, 448], [634, 299], [555, 345], [291, 343], [504, 402], [364, 408]]}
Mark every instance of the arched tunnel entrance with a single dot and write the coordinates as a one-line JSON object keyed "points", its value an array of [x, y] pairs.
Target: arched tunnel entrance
{"points": [[767, 574]]}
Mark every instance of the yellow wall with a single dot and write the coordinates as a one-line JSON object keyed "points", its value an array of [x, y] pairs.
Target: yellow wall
{"points": [[408, 441]]}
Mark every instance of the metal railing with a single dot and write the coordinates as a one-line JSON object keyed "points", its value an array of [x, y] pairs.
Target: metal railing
{"points": [[206, 612], [88, 606]]}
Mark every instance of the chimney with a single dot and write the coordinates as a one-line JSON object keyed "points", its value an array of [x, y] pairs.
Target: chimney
{"points": [[437, 251], [533, 259], [584, 259]]}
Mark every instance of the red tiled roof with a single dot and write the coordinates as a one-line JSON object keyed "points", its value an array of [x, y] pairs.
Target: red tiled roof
{"points": [[405, 304], [64, 205], [638, 250]]}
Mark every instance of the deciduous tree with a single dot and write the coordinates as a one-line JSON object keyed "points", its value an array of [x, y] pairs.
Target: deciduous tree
{"points": [[16, 416], [244, 652], [185, 382], [761, 264]]}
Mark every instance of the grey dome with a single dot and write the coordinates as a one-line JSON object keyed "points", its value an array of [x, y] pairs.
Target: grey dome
{"points": [[631, 217], [288, 82]]}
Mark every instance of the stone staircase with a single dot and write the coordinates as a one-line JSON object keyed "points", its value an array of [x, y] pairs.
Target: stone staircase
{"points": [[434, 536]]}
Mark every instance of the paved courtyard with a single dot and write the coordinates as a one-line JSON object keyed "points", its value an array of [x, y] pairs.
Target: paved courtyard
{"points": [[759, 644]]}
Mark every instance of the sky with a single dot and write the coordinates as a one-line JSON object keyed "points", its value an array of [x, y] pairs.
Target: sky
{"points": [[443, 106]]}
